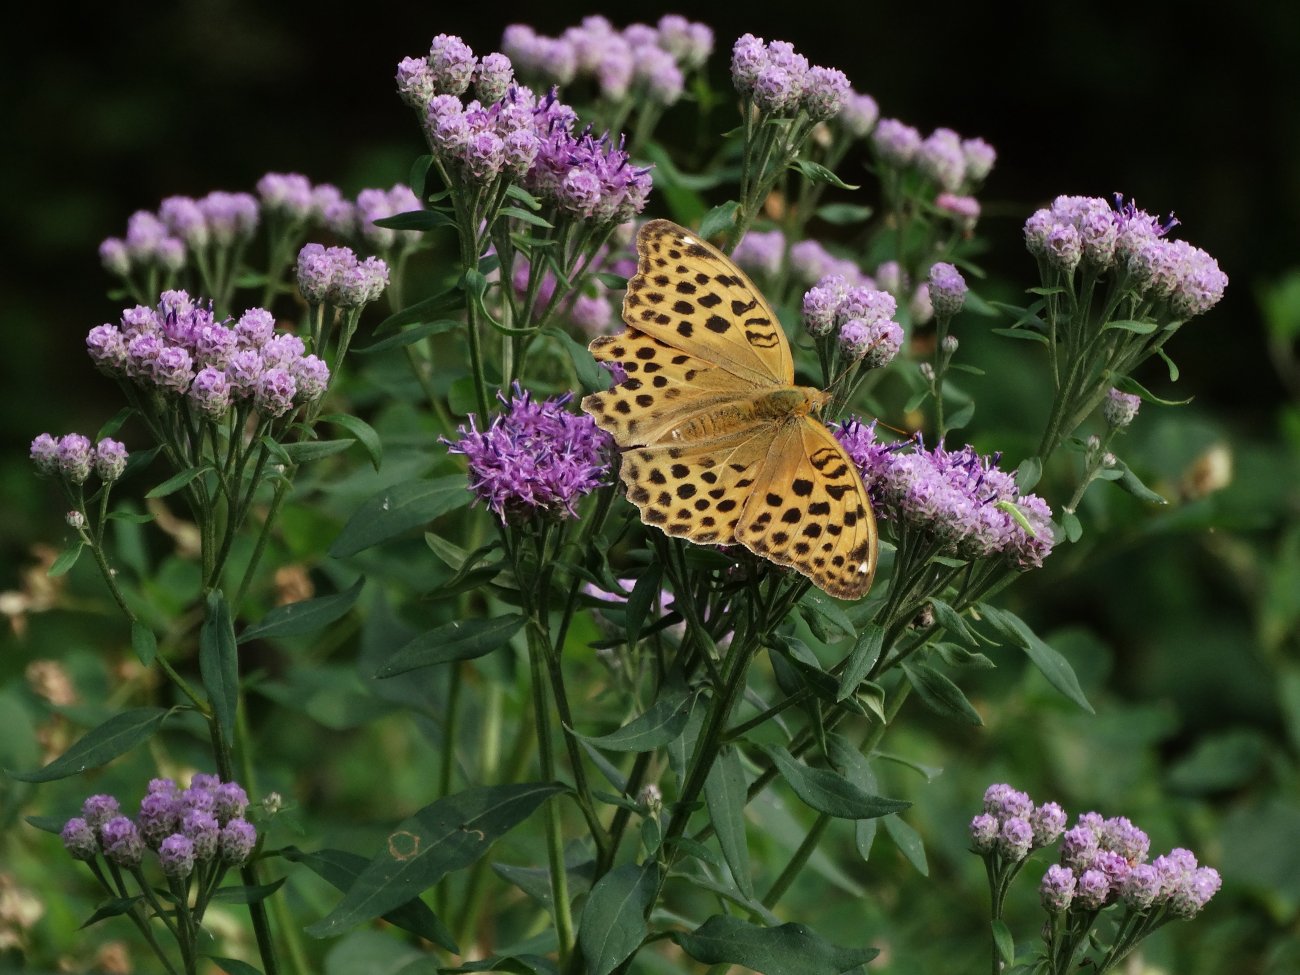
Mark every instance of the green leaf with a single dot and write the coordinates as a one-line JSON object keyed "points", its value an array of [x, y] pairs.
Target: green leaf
{"points": [[1128, 384], [1169, 364], [725, 793], [116, 736], [66, 560], [1054, 667], [828, 613], [426, 310], [843, 213], [460, 640], [1006, 944], [591, 374], [866, 651], [416, 220], [909, 843], [719, 220], [1071, 525], [341, 869], [178, 481], [854, 766], [219, 663], [304, 616], [523, 216], [247, 894], [447, 835], [661, 723], [130, 517], [1137, 328], [613, 919], [410, 336], [644, 593], [1028, 474], [309, 450], [960, 417], [397, 509], [820, 174], [115, 907], [829, 792], [362, 431], [1131, 483], [521, 195], [788, 949], [953, 622], [1021, 333], [417, 179], [233, 966], [940, 694], [144, 643]]}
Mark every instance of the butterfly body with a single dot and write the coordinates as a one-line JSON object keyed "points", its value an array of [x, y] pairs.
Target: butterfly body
{"points": [[719, 445]]}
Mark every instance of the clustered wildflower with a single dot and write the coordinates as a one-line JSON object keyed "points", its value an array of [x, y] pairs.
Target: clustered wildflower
{"points": [[952, 164], [354, 220], [860, 317], [639, 60], [534, 458], [73, 457], [811, 262], [959, 500], [165, 240], [779, 82], [335, 275], [947, 289]]}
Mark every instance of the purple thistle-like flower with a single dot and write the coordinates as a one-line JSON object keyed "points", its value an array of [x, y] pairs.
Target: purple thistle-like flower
{"points": [[110, 459], [176, 856], [142, 352], [812, 262], [451, 64], [534, 458], [255, 327], [75, 457], [748, 59], [115, 257], [197, 796], [282, 351], [1194, 891], [203, 831], [173, 370], [1119, 835], [238, 838], [882, 343], [1015, 839], [45, 454], [493, 78], [579, 192], [213, 345], [415, 83], [1048, 821], [825, 92], [204, 782], [210, 393], [312, 377], [1174, 867], [158, 817], [184, 219], [243, 372], [519, 150], [870, 305], [821, 305], [315, 271], [984, 831], [232, 217], [1198, 282], [964, 211], [1141, 887], [689, 43], [1063, 248], [167, 787], [1004, 802], [1078, 847], [761, 251], [99, 809], [591, 313], [286, 193], [144, 233], [855, 338], [940, 157], [1093, 889], [1120, 408], [1113, 865], [656, 72], [274, 393], [231, 801], [895, 143], [980, 157], [947, 289], [859, 114], [171, 254], [776, 91], [1057, 889], [122, 842], [79, 839]]}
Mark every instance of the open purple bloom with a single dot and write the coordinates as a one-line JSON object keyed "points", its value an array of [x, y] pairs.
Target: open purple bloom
{"points": [[451, 64], [895, 143], [1057, 889], [534, 458]]}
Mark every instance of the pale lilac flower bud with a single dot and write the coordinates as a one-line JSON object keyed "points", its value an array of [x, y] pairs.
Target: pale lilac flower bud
{"points": [[1092, 890], [1198, 282], [688, 42], [123, 844], [1015, 839], [256, 326], [775, 92], [1048, 821], [964, 211], [210, 393], [312, 377], [232, 217], [919, 307], [1174, 867], [173, 370], [651, 798], [949, 345], [854, 338], [1063, 248], [184, 219], [176, 856], [895, 142], [869, 304], [115, 257], [1194, 892], [748, 58], [274, 393], [940, 157], [821, 305], [158, 817], [884, 340], [493, 78], [75, 520], [451, 64], [591, 313], [1118, 833], [1057, 889], [243, 372], [282, 351], [315, 273], [415, 84], [484, 157], [199, 795], [1114, 866], [231, 801], [99, 809], [947, 289], [859, 114], [761, 251], [286, 193], [238, 837], [45, 454], [1078, 847], [451, 135], [984, 833], [171, 254], [825, 92], [656, 71], [203, 831], [107, 348], [75, 457], [980, 157], [110, 460], [519, 150], [79, 839], [1141, 887], [144, 232], [579, 192], [440, 107]]}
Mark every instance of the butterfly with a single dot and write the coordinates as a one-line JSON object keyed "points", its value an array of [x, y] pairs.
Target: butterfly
{"points": [[718, 444]]}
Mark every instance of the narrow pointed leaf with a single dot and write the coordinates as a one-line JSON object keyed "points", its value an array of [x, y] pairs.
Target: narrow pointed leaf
{"points": [[66, 560], [820, 174], [427, 310], [866, 651], [829, 792], [309, 450], [416, 220], [247, 894], [398, 509], [855, 767], [460, 640], [219, 663], [788, 949], [908, 842], [112, 908], [719, 220], [953, 622], [1005, 942], [940, 694], [844, 213], [144, 643], [662, 722], [410, 336], [591, 375], [447, 835], [362, 431], [1054, 667], [613, 919], [233, 966], [725, 793], [178, 481], [304, 616], [641, 599], [116, 736], [1131, 483]]}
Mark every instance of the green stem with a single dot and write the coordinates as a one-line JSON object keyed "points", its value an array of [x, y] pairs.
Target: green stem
{"points": [[798, 861]]}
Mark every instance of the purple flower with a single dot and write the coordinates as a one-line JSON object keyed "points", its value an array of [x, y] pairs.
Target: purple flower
{"points": [[45, 454], [776, 92], [184, 219], [99, 809], [243, 373], [1093, 889], [232, 217], [859, 114], [1048, 821], [1004, 802], [203, 831], [79, 839], [123, 844], [173, 370], [315, 271], [158, 817], [534, 458], [110, 460], [1119, 835], [238, 837], [519, 149], [825, 92], [1015, 839], [895, 143], [940, 157], [947, 289], [1057, 889], [656, 71], [176, 856], [311, 376], [210, 393], [231, 801], [1194, 891], [415, 84], [197, 796], [980, 157], [286, 193], [984, 833], [282, 351], [1199, 283], [748, 58], [1063, 248], [1113, 865], [1078, 847], [75, 457], [376, 204], [493, 78], [451, 64], [821, 305], [144, 233], [591, 313], [689, 43], [964, 211], [1174, 867], [274, 392], [1141, 887], [115, 257], [256, 326]]}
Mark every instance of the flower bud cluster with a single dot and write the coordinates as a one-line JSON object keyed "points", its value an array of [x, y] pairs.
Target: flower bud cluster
{"points": [[959, 499], [953, 164], [73, 457], [1011, 825], [179, 350], [780, 83], [354, 220], [164, 239], [334, 275], [861, 318], [201, 827]]}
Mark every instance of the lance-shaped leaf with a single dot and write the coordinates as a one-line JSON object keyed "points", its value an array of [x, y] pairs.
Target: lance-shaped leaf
{"points": [[304, 616], [460, 640], [398, 509], [116, 736], [726, 793], [865, 653], [661, 723], [613, 919], [940, 694], [219, 663], [1054, 667], [830, 792], [789, 949], [447, 835]]}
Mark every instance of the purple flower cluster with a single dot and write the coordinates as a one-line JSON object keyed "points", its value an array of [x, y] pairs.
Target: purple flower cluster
{"points": [[1011, 824], [355, 220], [335, 275], [184, 827], [1104, 861], [958, 498], [947, 289], [859, 114], [164, 239], [951, 163], [861, 316], [811, 261], [179, 349], [780, 83], [640, 59], [1077, 230], [73, 457], [762, 252], [535, 458]]}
